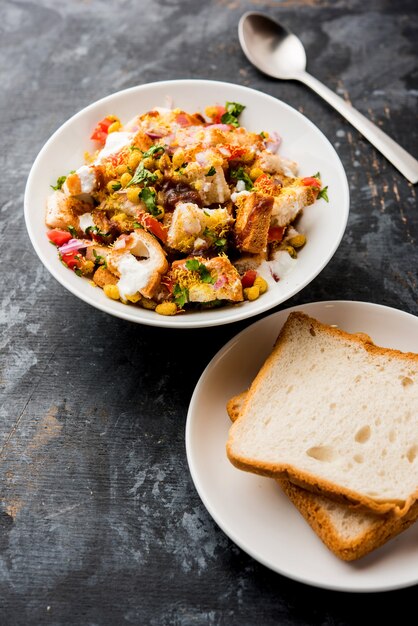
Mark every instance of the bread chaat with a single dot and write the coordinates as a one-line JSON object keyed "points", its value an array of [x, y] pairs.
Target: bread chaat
{"points": [[177, 211]]}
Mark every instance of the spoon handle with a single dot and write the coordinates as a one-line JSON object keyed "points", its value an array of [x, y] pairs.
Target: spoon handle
{"points": [[399, 157]]}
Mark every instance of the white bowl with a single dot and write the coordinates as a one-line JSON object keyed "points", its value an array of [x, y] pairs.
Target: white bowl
{"points": [[323, 223]]}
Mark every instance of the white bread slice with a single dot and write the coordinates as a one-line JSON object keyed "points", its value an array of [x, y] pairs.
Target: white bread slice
{"points": [[348, 532], [334, 414]]}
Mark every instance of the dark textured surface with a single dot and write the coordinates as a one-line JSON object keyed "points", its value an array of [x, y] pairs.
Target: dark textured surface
{"points": [[99, 520]]}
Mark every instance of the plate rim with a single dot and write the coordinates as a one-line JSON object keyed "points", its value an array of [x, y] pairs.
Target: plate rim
{"points": [[216, 517], [189, 321]]}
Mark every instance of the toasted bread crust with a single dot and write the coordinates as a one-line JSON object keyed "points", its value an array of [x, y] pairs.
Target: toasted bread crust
{"points": [[381, 529], [253, 222], [319, 485]]}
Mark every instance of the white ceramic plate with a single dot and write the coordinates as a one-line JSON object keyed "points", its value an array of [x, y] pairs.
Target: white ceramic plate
{"points": [[323, 223], [251, 509]]}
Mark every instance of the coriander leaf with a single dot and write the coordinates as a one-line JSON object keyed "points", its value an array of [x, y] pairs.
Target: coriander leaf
{"points": [[72, 231], [317, 175], [142, 175], [233, 110], [263, 134], [228, 118], [60, 181], [154, 151], [323, 194], [132, 148], [192, 265], [195, 266], [240, 174], [148, 198], [99, 259], [137, 225], [218, 242], [181, 295], [211, 172], [116, 186]]}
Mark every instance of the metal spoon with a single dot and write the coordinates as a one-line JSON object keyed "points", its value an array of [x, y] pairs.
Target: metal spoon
{"points": [[280, 54]]}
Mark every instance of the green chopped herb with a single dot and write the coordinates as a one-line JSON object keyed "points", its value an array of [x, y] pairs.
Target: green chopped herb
{"points": [[181, 295], [137, 225], [263, 134], [148, 198], [218, 242], [195, 266], [206, 213], [233, 110], [240, 174], [211, 172], [99, 259], [116, 186], [323, 194], [154, 151], [72, 231], [317, 175], [132, 148], [142, 175], [96, 230], [60, 181], [77, 271]]}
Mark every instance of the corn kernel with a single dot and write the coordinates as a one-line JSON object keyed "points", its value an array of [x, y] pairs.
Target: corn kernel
{"points": [[119, 217], [247, 157], [297, 241], [121, 169], [111, 291], [211, 111], [125, 179], [114, 127], [148, 163], [166, 308], [290, 250], [87, 267], [133, 195], [178, 158], [110, 185], [135, 297], [255, 172], [161, 212], [148, 304], [134, 159], [261, 284], [251, 293], [164, 162]]}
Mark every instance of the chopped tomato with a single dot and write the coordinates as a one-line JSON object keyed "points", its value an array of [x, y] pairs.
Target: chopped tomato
{"points": [[248, 279], [311, 181], [59, 237], [72, 259], [215, 113], [275, 233], [101, 131], [153, 225], [236, 152]]}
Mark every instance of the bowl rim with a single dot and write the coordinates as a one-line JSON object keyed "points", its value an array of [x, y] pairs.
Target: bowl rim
{"points": [[232, 313]]}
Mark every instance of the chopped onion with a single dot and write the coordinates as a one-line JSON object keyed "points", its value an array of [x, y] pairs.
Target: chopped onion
{"points": [[275, 142], [154, 135], [219, 126], [74, 244], [220, 282]]}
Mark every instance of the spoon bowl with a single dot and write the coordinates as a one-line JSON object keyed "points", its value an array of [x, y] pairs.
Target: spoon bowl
{"points": [[279, 53], [271, 47]]}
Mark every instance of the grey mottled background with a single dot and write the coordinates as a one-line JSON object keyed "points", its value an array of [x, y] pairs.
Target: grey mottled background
{"points": [[99, 520]]}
